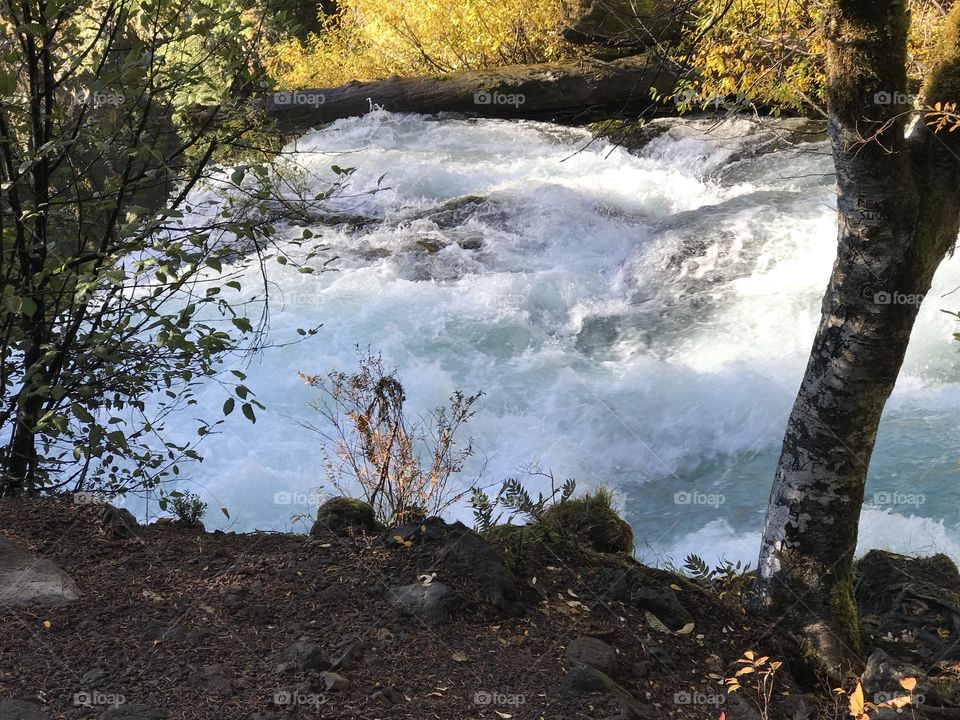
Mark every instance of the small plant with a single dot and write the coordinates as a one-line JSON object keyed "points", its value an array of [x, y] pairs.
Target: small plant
{"points": [[514, 500], [402, 466], [729, 579], [187, 507], [758, 675]]}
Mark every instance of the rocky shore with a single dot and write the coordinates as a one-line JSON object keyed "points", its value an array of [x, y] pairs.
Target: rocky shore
{"points": [[104, 618]]}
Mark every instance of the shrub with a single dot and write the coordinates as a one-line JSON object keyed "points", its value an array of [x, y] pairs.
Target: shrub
{"points": [[592, 518], [187, 507], [373, 39], [403, 466]]}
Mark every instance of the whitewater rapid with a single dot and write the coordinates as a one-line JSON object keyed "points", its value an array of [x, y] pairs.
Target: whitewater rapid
{"points": [[635, 320]]}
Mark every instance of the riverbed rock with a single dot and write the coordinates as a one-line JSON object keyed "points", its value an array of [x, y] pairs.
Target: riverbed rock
{"points": [[26, 579]]}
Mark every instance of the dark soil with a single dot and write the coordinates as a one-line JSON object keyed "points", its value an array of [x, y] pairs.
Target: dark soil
{"points": [[197, 624]]}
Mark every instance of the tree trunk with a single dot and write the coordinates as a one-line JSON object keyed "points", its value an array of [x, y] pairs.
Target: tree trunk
{"points": [[898, 208], [582, 90]]}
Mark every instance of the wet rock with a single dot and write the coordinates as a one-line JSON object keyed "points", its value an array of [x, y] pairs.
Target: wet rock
{"points": [[134, 712], [303, 655], [26, 579], [340, 515], [594, 653], [432, 602], [22, 710], [387, 696], [474, 243]]}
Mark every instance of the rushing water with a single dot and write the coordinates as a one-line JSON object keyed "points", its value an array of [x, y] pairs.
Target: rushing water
{"points": [[636, 320]]}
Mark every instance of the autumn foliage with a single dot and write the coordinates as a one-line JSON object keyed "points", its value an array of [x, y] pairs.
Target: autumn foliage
{"points": [[373, 39]]}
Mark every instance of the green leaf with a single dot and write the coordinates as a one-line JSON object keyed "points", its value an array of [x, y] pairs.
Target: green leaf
{"points": [[243, 324], [228, 406], [247, 410]]}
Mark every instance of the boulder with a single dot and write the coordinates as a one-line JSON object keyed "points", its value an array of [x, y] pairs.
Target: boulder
{"points": [[28, 580], [340, 515], [456, 552]]}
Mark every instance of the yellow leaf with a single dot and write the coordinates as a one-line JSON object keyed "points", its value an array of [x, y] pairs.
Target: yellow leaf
{"points": [[856, 702], [686, 629], [908, 684], [745, 671], [46, 624]]}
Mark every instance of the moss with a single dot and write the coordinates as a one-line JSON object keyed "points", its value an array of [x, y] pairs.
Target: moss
{"points": [[867, 55], [340, 513], [593, 518], [944, 83], [514, 537]]}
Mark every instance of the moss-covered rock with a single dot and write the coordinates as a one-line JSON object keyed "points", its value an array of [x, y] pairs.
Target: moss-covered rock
{"points": [[592, 518], [340, 514]]}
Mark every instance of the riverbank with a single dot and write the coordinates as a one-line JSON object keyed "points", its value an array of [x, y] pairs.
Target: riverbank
{"points": [[270, 625], [427, 620]]}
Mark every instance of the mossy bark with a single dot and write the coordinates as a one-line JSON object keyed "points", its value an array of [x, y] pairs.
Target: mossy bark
{"points": [[898, 208]]}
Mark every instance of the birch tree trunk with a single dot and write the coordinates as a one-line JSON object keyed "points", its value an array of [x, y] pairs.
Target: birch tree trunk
{"points": [[898, 208]]}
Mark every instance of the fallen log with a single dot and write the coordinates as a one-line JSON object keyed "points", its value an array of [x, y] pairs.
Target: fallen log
{"points": [[578, 91]]}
